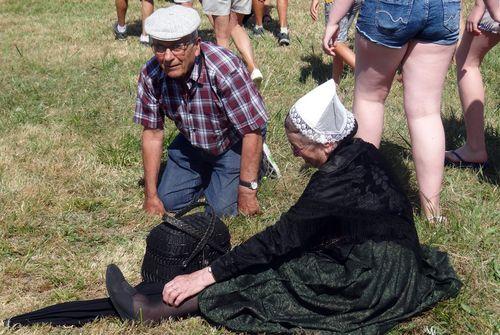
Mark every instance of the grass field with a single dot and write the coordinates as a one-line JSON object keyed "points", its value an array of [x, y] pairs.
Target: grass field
{"points": [[70, 161]]}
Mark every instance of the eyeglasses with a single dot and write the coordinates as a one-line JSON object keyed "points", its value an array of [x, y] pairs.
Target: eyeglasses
{"points": [[176, 50]]}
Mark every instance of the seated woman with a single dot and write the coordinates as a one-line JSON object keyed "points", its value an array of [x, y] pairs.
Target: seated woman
{"points": [[344, 259]]}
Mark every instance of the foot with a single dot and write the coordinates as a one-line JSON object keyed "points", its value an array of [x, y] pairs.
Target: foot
{"points": [[258, 31], [283, 39], [269, 167], [119, 35], [256, 77], [144, 40], [121, 293], [465, 158]]}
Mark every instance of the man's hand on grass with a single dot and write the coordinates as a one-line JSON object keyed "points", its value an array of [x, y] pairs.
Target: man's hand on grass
{"points": [[154, 206], [247, 201]]}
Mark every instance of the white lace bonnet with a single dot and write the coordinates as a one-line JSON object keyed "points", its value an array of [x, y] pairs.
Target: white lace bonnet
{"points": [[320, 116]]}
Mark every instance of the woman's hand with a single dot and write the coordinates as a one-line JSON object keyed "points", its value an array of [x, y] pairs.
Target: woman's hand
{"points": [[329, 39], [185, 286], [473, 20], [313, 10]]}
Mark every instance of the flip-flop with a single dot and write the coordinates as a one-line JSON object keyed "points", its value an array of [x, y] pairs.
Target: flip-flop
{"points": [[463, 163]]}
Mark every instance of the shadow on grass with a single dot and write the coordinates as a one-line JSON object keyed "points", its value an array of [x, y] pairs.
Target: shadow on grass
{"points": [[396, 155], [316, 69], [269, 23], [134, 28], [455, 138]]}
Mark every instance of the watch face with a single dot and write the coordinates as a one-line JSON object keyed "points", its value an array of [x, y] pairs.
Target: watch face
{"points": [[253, 185]]}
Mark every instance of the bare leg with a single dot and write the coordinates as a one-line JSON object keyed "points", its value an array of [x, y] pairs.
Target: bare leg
{"points": [[241, 40], [425, 67], [258, 11], [343, 54], [470, 54], [222, 30], [230, 25], [121, 11], [375, 69], [282, 12], [147, 8], [337, 69]]}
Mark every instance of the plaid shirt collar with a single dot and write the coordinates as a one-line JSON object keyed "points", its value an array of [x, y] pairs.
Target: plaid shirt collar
{"points": [[198, 76]]}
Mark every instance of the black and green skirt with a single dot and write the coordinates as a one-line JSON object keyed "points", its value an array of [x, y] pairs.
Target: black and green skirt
{"points": [[370, 289]]}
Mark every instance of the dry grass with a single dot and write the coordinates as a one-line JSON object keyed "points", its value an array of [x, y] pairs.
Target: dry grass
{"points": [[70, 161]]}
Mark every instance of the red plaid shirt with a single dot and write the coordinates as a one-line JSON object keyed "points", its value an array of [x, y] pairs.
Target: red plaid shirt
{"points": [[220, 105]]}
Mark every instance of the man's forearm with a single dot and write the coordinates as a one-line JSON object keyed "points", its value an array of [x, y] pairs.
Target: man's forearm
{"points": [[251, 153], [152, 149]]}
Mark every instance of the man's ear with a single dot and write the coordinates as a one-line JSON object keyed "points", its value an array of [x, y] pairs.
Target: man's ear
{"points": [[197, 46]]}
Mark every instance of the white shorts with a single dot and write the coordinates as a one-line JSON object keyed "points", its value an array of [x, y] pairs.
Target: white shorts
{"points": [[224, 7]]}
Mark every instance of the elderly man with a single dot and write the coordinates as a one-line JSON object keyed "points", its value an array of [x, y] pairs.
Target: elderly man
{"points": [[208, 93]]}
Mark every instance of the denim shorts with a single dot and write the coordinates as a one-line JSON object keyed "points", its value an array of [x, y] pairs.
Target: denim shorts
{"points": [[346, 22], [393, 23]]}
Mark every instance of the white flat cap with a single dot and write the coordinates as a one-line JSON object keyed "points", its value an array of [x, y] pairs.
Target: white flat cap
{"points": [[172, 23], [320, 116]]}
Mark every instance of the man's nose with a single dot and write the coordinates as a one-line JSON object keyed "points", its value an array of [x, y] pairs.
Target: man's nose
{"points": [[169, 55]]}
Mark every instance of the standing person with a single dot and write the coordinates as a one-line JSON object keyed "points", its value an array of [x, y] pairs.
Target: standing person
{"points": [[343, 54], [206, 90], [482, 33], [259, 8], [120, 27], [228, 18], [421, 36]]}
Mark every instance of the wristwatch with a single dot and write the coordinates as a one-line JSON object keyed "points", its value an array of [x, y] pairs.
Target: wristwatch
{"points": [[253, 185]]}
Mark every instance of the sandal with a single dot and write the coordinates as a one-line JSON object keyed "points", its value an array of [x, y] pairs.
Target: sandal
{"points": [[463, 163]]}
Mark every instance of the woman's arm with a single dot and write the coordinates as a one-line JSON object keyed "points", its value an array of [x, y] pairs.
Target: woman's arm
{"points": [[477, 12], [338, 11], [493, 7], [293, 232]]}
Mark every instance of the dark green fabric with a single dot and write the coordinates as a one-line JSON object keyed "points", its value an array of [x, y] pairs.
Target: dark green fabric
{"points": [[345, 259], [379, 285]]}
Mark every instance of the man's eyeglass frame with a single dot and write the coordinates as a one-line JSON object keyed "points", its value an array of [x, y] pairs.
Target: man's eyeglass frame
{"points": [[176, 50]]}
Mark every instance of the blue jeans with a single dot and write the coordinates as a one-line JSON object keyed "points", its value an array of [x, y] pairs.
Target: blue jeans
{"points": [[393, 23], [191, 172]]}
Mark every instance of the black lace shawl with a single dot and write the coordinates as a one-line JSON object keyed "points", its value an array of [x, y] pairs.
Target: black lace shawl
{"points": [[352, 198]]}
